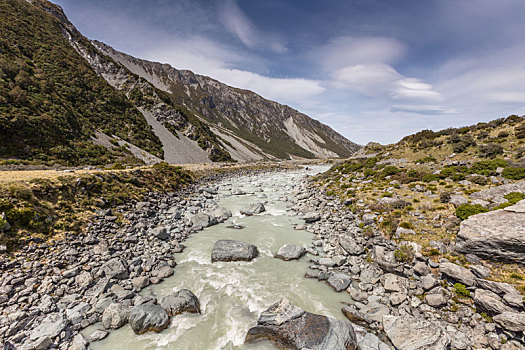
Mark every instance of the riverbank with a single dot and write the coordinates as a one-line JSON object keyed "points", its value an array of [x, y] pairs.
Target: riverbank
{"points": [[51, 290]]}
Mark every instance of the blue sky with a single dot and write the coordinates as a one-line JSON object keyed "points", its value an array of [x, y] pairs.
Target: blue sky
{"points": [[374, 70]]}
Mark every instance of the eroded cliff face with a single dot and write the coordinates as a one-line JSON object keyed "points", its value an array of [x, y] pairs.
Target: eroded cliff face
{"points": [[200, 119]]}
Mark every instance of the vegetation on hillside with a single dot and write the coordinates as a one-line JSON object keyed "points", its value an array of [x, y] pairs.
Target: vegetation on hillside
{"points": [[51, 101]]}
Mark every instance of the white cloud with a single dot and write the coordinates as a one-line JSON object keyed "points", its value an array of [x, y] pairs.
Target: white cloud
{"points": [[347, 51], [425, 110], [238, 24], [414, 89], [509, 96]]}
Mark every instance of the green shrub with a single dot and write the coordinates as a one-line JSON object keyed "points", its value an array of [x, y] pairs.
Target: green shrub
{"points": [[406, 225], [514, 173], [427, 159], [404, 254], [461, 290], [487, 167], [430, 177], [444, 197], [490, 150], [390, 170], [463, 211]]}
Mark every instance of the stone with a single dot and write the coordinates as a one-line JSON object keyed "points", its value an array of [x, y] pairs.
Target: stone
{"points": [[496, 235], [397, 298], [458, 200], [358, 295], [100, 287], [489, 302], [179, 302], [339, 281], [371, 342], [50, 327], [160, 233], [230, 250], [140, 282], [375, 311], [290, 252], [512, 321], [499, 191], [409, 333], [84, 280], [436, 300], [114, 268], [458, 273], [79, 343], [254, 208], [514, 299], [77, 313], [148, 317], [222, 213], [350, 246], [291, 327], [163, 272], [202, 220], [97, 335], [311, 217], [393, 283], [421, 268], [499, 288], [115, 316], [480, 271]]}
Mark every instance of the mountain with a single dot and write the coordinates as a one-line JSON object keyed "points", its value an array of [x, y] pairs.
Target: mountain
{"points": [[73, 101]]}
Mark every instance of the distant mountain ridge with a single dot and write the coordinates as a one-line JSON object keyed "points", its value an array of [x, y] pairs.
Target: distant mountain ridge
{"points": [[185, 117]]}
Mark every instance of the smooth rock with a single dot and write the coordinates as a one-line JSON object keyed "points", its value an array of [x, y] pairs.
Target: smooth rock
{"points": [[489, 302], [436, 300], [293, 328], [179, 302], [50, 327], [512, 321], [290, 252], [458, 274], [148, 317], [409, 333], [115, 316], [79, 343], [339, 281], [230, 250], [350, 246]]}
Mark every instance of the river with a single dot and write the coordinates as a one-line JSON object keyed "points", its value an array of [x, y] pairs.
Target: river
{"points": [[233, 294]]}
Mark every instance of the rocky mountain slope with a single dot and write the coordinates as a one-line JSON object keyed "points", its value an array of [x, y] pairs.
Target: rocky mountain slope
{"points": [[88, 96]]}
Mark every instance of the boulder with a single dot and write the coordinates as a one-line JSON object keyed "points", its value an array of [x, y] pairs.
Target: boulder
{"points": [[339, 281], [311, 217], [140, 282], [499, 191], [222, 213], [230, 250], [436, 300], [350, 246], [496, 235], [97, 335], [202, 220], [148, 317], [421, 268], [254, 208], [179, 302], [458, 273], [160, 233], [489, 302], [115, 316], [79, 343], [114, 268], [457, 200], [512, 321], [293, 328], [49, 328], [290, 252], [410, 333], [375, 311]]}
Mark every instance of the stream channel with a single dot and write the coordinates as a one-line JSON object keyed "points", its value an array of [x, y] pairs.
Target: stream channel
{"points": [[233, 294]]}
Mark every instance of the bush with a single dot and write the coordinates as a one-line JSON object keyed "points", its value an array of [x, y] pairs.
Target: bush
{"points": [[517, 173], [406, 225], [427, 159], [465, 210], [503, 134], [390, 170], [479, 179], [490, 150], [487, 167], [430, 177], [461, 143], [444, 197], [404, 254], [519, 131], [461, 290]]}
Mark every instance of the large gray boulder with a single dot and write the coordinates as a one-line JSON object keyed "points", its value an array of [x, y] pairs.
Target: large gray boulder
{"points": [[49, 328], [458, 273], [290, 252], [222, 213], [499, 191], [115, 316], [202, 220], [410, 333], [293, 328], [339, 281], [115, 268], [254, 208], [496, 235], [230, 250], [512, 321], [489, 302], [350, 246], [311, 217], [179, 302], [148, 317]]}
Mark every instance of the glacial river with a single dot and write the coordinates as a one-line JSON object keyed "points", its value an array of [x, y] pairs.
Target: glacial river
{"points": [[233, 294]]}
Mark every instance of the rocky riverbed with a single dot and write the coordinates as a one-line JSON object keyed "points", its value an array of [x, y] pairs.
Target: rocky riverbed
{"points": [[69, 293]]}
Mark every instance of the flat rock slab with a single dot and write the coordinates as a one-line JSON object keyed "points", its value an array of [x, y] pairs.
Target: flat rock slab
{"points": [[293, 328], [496, 235], [290, 252], [409, 333], [230, 250]]}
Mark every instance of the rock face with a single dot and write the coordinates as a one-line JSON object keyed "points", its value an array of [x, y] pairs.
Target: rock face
{"points": [[50, 327], [513, 321], [230, 250], [148, 317], [290, 252], [179, 302], [496, 235], [293, 328], [409, 333]]}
